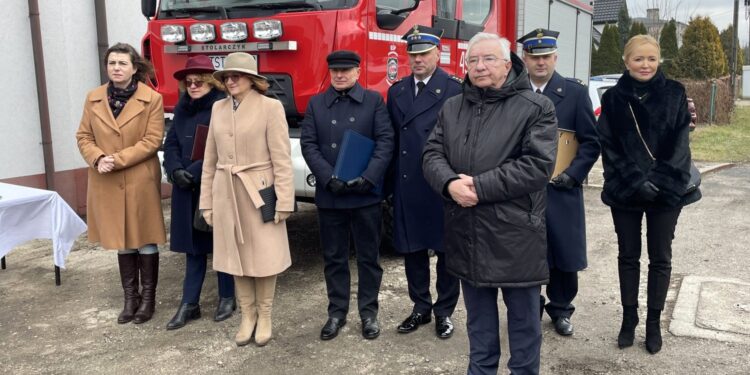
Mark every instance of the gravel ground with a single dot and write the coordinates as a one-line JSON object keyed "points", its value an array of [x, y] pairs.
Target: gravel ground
{"points": [[72, 329]]}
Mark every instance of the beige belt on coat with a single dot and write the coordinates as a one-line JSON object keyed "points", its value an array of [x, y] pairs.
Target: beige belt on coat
{"points": [[230, 170]]}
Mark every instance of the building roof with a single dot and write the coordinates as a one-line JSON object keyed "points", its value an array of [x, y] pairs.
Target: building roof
{"points": [[606, 11]]}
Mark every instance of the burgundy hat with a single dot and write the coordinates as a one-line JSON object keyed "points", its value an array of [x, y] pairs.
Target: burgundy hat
{"points": [[195, 65]]}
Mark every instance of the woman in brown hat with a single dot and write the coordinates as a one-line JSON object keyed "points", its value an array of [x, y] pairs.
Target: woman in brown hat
{"points": [[248, 150], [120, 132], [184, 163]]}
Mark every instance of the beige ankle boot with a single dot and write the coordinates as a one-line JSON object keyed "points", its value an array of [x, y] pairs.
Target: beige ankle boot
{"points": [[265, 287], [245, 292]]}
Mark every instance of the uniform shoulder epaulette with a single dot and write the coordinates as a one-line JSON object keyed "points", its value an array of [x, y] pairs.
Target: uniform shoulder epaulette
{"points": [[455, 78], [576, 80]]}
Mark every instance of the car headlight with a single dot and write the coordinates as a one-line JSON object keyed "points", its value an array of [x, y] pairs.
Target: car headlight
{"points": [[234, 31], [173, 33], [202, 32], [267, 29]]}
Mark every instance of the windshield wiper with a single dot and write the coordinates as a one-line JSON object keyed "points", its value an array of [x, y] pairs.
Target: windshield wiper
{"points": [[187, 12], [284, 5]]}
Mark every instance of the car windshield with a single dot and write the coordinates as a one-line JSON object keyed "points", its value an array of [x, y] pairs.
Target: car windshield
{"points": [[193, 6]]}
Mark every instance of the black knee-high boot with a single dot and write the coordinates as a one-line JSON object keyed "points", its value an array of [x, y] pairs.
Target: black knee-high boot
{"points": [[128, 264], [627, 330], [149, 264], [653, 331]]}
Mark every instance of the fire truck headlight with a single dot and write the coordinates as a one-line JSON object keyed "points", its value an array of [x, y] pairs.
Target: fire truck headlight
{"points": [[173, 33], [234, 31], [267, 29], [202, 32]]}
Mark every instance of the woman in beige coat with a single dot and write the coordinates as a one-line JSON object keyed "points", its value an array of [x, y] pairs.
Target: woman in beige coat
{"points": [[247, 150], [120, 132]]}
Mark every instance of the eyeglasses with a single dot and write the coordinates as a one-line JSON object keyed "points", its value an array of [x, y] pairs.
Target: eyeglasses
{"points": [[197, 83], [486, 60], [233, 77]]}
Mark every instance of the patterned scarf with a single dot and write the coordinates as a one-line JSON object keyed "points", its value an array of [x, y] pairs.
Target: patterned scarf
{"points": [[117, 98]]}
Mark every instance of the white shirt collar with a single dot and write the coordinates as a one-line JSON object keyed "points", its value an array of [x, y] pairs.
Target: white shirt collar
{"points": [[535, 87], [423, 80]]}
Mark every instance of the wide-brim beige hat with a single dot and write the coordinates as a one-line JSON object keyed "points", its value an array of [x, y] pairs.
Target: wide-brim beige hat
{"points": [[239, 62]]}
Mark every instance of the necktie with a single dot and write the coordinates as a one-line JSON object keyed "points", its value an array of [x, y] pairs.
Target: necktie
{"points": [[420, 86], [538, 91]]}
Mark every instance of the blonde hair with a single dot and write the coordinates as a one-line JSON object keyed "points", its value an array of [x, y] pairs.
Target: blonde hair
{"points": [[207, 78], [638, 41]]}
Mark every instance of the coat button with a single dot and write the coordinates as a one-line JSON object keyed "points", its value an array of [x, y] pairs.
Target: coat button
{"points": [[333, 122], [231, 135], [404, 176], [333, 145], [351, 119], [231, 156], [404, 128], [121, 186], [403, 152]]}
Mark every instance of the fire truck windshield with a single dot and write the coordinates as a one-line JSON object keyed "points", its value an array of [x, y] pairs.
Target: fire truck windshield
{"points": [[193, 6]]}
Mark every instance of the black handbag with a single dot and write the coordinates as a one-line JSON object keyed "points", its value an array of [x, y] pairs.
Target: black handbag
{"points": [[268, 209], [199, 223], [695, 173], [695, 179]]}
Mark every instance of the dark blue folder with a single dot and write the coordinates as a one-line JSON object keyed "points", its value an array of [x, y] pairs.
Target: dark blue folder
{"points": [[354, 156]]}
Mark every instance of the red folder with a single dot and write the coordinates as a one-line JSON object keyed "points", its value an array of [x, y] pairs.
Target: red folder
{"points": [[199, 142]]}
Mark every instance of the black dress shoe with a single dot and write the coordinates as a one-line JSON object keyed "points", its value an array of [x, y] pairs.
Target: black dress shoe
{"points": [[413, 322], [563, 326], [370, 328], [443, 327], [186, 312], [225, 309], [331, 328]]}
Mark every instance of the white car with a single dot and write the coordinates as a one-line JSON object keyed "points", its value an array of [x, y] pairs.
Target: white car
{"points": [[597, 86]]}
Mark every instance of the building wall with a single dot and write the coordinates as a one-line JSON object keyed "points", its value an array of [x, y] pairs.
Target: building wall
{"points": [[72, 69]]}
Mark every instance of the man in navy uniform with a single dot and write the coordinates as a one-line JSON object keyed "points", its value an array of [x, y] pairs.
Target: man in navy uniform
{"points": [[566, 225], [413, 104], [348, 208]]}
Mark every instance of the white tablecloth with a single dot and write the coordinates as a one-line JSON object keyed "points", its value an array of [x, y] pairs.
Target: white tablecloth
{"points": [[28, 213]]}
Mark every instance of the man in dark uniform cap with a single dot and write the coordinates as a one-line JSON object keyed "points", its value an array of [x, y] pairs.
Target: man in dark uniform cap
{"points": [[566, 225], [413, 104], [348, 208]]}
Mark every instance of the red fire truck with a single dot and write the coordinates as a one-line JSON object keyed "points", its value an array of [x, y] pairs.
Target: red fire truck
{"points": [[291, 39]]}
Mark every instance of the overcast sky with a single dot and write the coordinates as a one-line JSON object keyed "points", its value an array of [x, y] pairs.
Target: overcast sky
{"points": [[721, 12]]}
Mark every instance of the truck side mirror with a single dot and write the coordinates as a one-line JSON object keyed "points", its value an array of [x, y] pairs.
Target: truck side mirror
{"points": [[148, 8]]}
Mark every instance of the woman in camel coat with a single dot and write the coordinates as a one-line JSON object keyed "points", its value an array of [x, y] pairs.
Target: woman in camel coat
{"points": [[247, 150], [120, 132]]}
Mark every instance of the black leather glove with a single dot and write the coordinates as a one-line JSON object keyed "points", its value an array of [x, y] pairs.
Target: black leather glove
{"points": [[564, 181], [336, 186], [648, 191], [359, 185], [183, 178]]}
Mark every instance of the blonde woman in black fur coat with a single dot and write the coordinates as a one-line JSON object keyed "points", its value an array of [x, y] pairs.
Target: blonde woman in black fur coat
{"points": [[643, 130]]}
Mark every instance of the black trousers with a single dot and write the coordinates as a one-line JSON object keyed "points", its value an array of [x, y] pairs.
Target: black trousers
{"points": [[336, 226], [660, 228], [562, 289], [524, 329], [417, 265], [195, 273]]}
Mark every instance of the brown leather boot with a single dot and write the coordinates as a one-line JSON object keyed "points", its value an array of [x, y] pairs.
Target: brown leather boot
{"points": [[129, 278], [265, 288], [149, 265], [245, 293]]}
